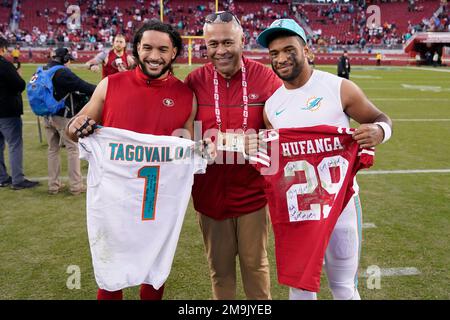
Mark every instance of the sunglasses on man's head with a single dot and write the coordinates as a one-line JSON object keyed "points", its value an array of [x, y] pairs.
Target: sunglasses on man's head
{"points": [[224, 16]]}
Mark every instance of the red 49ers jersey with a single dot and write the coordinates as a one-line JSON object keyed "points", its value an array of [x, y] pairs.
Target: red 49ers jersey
{"points": [[309, 174]]}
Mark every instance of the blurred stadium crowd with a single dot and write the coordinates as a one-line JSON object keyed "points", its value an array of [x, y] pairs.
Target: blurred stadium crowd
{"points": [[40, 23]]}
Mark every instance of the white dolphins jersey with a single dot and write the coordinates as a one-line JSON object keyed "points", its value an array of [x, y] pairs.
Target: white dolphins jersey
{"points": [[317, 102], [139, 187]]}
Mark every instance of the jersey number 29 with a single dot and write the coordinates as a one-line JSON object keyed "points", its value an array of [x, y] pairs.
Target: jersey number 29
{"points": [[316, 208]]}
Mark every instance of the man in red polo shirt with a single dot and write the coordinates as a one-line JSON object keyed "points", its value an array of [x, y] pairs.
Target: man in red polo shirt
{"points": [[231, 91], [148, 99], [113, 61]]}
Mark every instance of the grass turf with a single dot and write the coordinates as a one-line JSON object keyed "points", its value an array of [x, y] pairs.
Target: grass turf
{"points": [[41, 235]]}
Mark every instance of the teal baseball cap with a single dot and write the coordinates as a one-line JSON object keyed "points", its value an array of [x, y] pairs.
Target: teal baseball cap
{"points": [[278, 25]]}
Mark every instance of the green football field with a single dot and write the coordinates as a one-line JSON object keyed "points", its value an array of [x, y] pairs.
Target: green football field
{"points": [[405, 198]]}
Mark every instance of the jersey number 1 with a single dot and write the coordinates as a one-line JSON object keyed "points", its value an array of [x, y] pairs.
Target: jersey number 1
{"points": [[151, 176], [312, 182]]}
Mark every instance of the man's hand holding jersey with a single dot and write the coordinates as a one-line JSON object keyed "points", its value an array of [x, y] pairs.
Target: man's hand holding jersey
{"points": [[81, 126], [369, 135], [251, 144], [207, 149]]}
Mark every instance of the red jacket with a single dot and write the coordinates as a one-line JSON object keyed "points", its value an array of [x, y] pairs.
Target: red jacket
{"points": [[230, 190]]}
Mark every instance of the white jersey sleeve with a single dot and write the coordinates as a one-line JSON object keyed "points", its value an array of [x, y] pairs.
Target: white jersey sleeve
{"points": [[139, 187]]}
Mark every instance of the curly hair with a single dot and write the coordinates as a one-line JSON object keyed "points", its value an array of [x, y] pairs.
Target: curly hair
{"points": [[157, 25]]}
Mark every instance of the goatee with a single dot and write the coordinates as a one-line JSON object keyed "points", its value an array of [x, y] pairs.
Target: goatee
{"points": [[153, 76], [296, 71]]}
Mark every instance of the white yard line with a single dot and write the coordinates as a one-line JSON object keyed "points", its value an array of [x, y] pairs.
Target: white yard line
{"points": [[360, 172], [46, 178], [384, 89], [404, 171], [415, 120], [394, 272], [418, 120], [366, 77], [424, 88], [395, 68], [428, 69], [409, 99], [368, 225], [379, 88]]}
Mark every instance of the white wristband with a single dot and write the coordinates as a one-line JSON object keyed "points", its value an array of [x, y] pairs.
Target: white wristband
{"points": [[386, 129]]}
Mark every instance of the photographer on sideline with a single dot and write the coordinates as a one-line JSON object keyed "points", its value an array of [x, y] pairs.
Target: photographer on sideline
{"points": [[77, 93]]}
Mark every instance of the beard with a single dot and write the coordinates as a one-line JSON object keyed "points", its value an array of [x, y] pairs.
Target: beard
{"points": [[297, 69], [166, 68]]}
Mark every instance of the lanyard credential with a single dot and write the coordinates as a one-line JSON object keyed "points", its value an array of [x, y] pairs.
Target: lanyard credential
{"points": [[244, 97]]}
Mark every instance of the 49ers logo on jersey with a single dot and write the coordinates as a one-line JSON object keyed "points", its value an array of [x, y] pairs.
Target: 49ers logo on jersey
{"points": [[168, 102], [253, 96]]}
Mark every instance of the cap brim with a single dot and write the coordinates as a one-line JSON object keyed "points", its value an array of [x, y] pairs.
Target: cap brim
{"points": [[266, 34], [263, 37]]}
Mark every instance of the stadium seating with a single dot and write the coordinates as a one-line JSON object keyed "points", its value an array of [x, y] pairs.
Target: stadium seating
{"points": [[30, 10], [334, 20], [188, 18], [395, 13], [5, 11], [339, 24], [44, 22]]}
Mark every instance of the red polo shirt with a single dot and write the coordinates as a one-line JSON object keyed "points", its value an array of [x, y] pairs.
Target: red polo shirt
{"points": [[134, 102], [230, 190]]}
